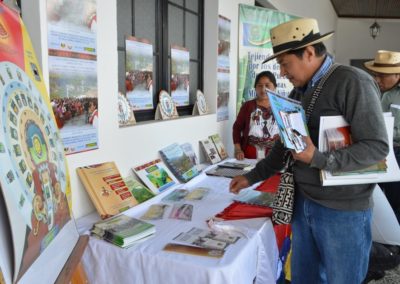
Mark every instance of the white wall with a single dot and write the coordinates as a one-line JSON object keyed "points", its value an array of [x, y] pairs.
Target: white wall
{"points": [[134, 145], [321, 10], [355, 42]]}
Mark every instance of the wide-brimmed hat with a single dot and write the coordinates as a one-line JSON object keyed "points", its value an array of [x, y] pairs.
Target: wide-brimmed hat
{"points": [[387, 62], [294, 35]]}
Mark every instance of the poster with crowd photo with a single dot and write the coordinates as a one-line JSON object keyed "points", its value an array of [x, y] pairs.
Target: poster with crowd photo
{"points": [[139, 73], [34, 176], [73, 71], [224, 49], [180, 70], [254, 47]]}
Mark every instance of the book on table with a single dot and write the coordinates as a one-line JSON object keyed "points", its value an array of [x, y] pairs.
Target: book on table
{"points": [[291, 119], [123, 230], [226, 172], [255, 197], [178, 162], [339, 135], [155, 175], [236, 165], [106, 188], [219, 146], [189, 151], [210, 151], [138, 190]]}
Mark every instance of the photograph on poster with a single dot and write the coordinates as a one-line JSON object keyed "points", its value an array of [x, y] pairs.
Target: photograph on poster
{"points": [[139, 73], [72, 62], [180, 75]]}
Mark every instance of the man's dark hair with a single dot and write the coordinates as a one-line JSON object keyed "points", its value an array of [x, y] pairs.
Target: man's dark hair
{"points": [[267, 74], [320, 50]]}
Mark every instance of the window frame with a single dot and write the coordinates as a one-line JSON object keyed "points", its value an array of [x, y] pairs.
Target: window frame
{"points": [[161, 52]]}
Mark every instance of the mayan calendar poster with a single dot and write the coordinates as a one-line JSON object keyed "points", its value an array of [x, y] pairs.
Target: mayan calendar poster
{"points": [[34, 175]]}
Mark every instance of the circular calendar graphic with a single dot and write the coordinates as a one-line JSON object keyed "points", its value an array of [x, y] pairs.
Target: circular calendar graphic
{"points": [[201, 102], [33, 169], [125, 113], [167, 104]]}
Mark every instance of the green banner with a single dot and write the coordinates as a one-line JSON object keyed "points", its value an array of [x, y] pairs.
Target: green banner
{"points": [[254, 47]]}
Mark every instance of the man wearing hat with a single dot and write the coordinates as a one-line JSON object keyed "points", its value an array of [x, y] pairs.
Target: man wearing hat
{"points": [[331, 224], [385, 69]]}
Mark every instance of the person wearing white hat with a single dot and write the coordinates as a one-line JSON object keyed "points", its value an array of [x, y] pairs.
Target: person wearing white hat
{"points": [[331, 225], [385, 69]]}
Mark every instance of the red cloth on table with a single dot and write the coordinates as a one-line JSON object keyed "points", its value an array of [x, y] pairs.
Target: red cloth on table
{"points": [[238, 210]]}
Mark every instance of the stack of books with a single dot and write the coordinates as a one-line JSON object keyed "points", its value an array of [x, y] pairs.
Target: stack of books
{"points": [[123, 231]]}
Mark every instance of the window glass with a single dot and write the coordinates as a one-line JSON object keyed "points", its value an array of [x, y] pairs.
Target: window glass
{"points": [[175, 26], [124, 21], [191, 39], [145, 20], [192, 5]]}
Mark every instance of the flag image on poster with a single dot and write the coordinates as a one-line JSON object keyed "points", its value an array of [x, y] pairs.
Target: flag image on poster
{"points": [[180, 70], [139, 73], [254, 47], [223, 75], [34, 177], [72, 62]]}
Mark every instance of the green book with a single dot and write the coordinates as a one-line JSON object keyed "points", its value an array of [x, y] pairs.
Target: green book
{"points": [[123, 230], [138, 190]]}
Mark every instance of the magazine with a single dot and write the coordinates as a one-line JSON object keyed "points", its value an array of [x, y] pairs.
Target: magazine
{"points": [[139, 191], [155, 212], [236, 165], [392, 172], [206, 238], [255, 197], [176, 195], [226, 172], [291, 120], [210, 151], [178, 162], [182, 212], [199, 251], [197, 193], [219, 146], [155, 175]]}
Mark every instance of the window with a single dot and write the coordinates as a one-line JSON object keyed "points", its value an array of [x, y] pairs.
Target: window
{"points": [[163, 22]]}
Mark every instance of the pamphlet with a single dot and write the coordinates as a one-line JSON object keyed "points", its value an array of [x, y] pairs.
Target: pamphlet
{"points": [[291, 119], [155, 211], [182, 212]]}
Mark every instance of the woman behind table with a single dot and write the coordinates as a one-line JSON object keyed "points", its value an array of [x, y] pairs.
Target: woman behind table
{"points": [[255, 127]]}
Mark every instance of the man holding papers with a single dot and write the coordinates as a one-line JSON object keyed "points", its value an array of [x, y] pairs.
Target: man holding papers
{"points": [[385, 69], [331, 225]]}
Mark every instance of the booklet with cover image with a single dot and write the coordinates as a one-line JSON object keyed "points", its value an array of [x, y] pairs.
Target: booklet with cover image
{"points": [[291, 119]]}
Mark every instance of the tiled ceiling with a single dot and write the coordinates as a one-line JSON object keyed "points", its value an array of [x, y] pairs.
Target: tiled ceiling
{"points": [[381, 9]]}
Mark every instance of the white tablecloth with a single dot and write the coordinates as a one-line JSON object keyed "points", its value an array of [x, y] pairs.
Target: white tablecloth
{"points": [[253, 257]]}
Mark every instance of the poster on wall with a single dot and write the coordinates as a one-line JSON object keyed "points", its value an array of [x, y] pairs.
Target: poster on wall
{"points": [[73, 72], [139, 73], [223, 94], [179, 83], [254, 47], [34, 177], [224, 49]]}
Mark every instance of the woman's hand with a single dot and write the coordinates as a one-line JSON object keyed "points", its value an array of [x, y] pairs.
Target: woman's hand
{"points": [[238, 183]]}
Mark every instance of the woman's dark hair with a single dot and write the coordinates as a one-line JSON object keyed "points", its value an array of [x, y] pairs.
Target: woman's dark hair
{"points": [[267, 74]]}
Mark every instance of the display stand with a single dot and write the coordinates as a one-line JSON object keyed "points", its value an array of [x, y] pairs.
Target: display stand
{"points": [[166, 108], [200, 107], [73, 271]]}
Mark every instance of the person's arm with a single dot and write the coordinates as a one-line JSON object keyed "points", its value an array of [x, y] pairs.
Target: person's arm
{"points": [[273, 163], [361, 109], [386, 102]]}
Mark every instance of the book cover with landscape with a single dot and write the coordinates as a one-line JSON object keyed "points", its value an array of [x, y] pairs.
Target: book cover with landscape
{"points": [[178, 162], [219, 146], [138, 190], [155, 175], [123, 230], [106, 188]]}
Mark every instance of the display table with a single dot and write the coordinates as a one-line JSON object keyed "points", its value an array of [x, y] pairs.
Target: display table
{"points": [[254, 256]]}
